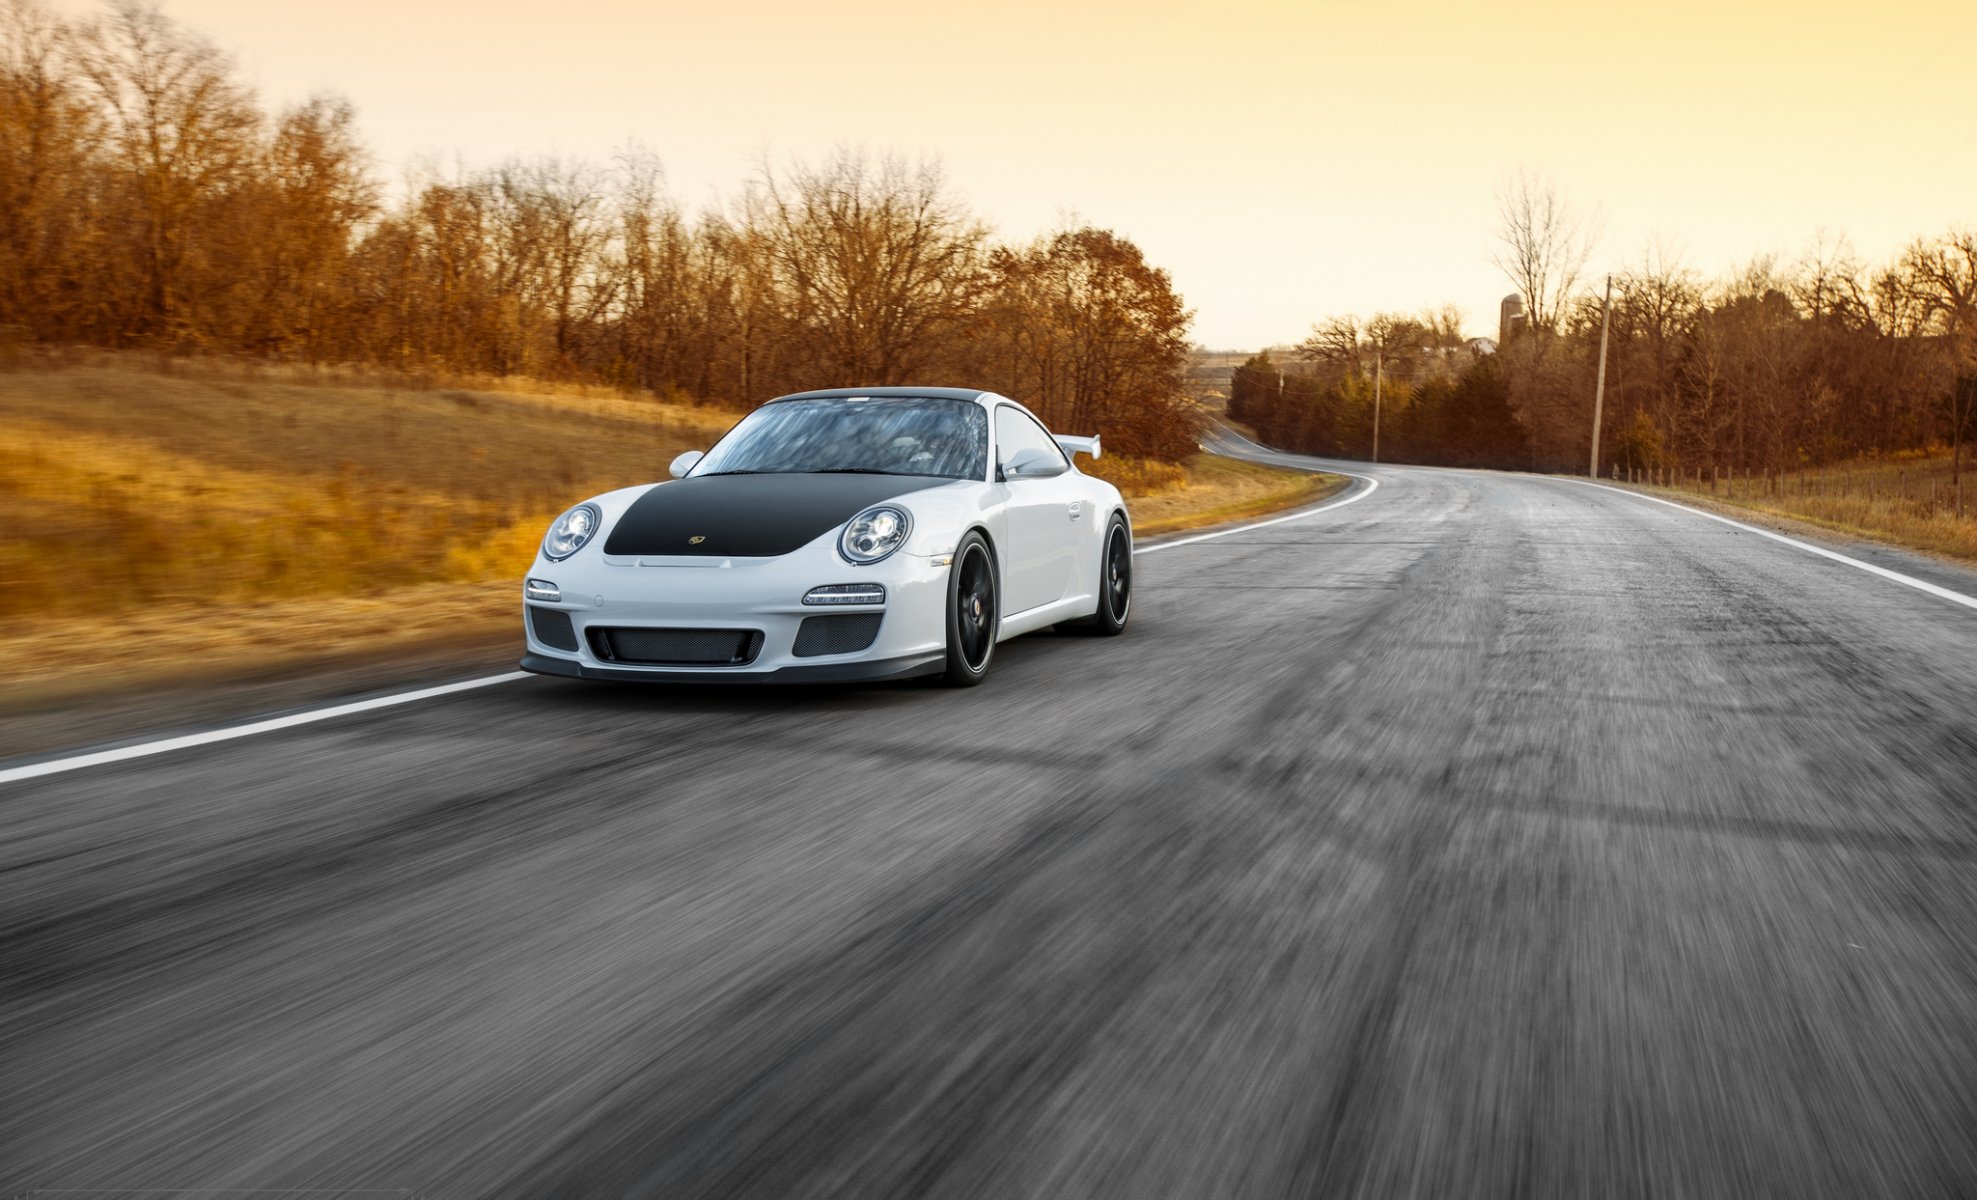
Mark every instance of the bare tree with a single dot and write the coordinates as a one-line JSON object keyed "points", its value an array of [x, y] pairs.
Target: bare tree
{"points": [[1543, 245], [48, 131], [1335, 341], [1397, 340], [874, 259], [555, 213], [182, 131], [294, 224], [1443, 329], [1946, 270]]}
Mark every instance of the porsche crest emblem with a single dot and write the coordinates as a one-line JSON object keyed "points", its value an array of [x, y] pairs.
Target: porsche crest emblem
{"points": [[695, 540]]}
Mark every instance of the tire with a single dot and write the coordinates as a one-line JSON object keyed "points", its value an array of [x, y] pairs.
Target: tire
{"points": [[1115, 585], [974, 609]]}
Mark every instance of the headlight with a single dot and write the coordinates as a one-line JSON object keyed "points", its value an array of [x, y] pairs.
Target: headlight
{"points": [[874, 533], [571, 531]]}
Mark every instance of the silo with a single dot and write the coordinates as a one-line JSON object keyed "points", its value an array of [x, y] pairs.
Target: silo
{"points": [[1510, 318]]}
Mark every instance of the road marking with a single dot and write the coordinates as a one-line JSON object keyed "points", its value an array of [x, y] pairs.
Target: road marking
{"points": [[165, 746], [1372, 485], [1920, 585], [117, 754]]}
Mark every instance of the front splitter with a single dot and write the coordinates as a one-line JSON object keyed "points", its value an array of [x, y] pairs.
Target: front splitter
{"points": [[851, 672]]}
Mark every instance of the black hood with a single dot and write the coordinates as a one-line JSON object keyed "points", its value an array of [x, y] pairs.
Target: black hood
{"points": [[751, 516]]}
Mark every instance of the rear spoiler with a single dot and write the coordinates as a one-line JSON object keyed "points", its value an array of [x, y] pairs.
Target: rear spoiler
{"points": [[1076, 445]]}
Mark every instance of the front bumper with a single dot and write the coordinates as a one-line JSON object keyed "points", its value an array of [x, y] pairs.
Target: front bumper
{"points": [[625, 592], [858, 671]]}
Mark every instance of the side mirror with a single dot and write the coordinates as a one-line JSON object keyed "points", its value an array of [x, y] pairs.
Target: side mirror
{"points": [[1033, 463], [684, 463]]}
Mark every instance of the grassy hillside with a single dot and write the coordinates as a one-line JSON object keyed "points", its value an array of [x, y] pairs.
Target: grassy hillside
{"points": [[219, 515], [127, 489]]}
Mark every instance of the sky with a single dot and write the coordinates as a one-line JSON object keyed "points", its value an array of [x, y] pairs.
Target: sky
{"points": [[1283, 161]]}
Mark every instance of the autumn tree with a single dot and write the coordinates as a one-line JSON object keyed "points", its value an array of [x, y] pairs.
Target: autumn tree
{"points": [[1655, 303], [1542, 247], [183, 134], [48, 132], [146, 197], [1084, 329], [875, 263], [291, 229], [1945, 274], [556, 227]]}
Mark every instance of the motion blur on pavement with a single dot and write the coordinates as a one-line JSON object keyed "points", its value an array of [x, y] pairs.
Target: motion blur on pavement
{"points": [[1541, 760], [1485, 836]]}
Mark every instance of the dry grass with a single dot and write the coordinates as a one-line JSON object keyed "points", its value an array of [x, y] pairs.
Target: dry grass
{"points": [[69, 657], [1137, 477], [1219, 490], [328, 513], [1906, 499], [126, 489]]}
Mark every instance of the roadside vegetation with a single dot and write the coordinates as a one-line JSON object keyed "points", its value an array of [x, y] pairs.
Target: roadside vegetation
{"points": [[171, 514], [1215, 490], [1909, 499], [149, 200], [1789, 367], [249, 395]]}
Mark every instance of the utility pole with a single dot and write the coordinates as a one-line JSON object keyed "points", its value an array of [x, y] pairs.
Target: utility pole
{"points": [[1599, 389], [1379, 362]]}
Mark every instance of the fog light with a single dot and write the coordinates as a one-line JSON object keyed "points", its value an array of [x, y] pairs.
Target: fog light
{"points": [[846, 593], [542, 589]]}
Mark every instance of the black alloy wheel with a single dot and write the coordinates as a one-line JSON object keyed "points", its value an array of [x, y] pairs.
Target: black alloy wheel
{"points": [[1118, 581], [973, 612], [1115, 585]]}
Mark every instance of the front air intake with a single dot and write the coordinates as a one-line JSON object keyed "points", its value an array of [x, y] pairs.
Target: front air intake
{"points": [[847, 634], [676, 647], [552, 628]]}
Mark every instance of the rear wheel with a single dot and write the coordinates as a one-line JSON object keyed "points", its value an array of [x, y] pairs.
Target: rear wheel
{"points": [[973, 612]]}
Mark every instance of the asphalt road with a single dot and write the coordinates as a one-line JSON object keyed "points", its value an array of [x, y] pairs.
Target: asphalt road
{"points": [[1488, 836]]}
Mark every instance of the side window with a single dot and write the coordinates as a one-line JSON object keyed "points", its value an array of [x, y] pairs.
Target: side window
{"points": [[1015, 430]]}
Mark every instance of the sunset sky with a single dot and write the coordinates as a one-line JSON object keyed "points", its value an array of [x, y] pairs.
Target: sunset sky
{"points": [[1284, 161]]}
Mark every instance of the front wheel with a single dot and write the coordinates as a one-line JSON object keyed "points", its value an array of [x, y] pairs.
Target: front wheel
{"points": [[1115, 584], [973, 612]]}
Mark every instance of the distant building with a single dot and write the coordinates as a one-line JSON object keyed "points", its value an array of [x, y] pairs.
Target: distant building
{"points": [[1510, 319]]}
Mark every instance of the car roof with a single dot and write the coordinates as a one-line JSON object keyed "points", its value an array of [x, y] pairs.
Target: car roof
{"points": [[938, 393]]}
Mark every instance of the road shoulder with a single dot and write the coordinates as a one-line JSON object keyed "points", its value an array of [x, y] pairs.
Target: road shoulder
{"points": [[1941, 570], [301, 653]]}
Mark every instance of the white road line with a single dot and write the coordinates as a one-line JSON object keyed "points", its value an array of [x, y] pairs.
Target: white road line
{"points": [[1373, 485], [1920, 585], [117, 754], [146, 749]]}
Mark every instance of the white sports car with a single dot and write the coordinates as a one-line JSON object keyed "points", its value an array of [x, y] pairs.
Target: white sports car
{"points": [[850, 534]]}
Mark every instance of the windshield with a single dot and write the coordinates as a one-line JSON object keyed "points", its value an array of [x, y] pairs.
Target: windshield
{"points": [[916, 435]]}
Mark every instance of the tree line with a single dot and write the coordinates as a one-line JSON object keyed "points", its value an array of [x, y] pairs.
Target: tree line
{"points": [[1781, 364], [146, 199], [1399, 387]]}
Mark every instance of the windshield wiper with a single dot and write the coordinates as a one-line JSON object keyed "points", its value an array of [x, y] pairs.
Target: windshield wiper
{"points": [[707, 474], [856, 471]]}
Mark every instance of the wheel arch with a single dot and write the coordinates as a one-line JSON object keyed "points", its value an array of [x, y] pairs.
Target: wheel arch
{"points": [[988, 539]]}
